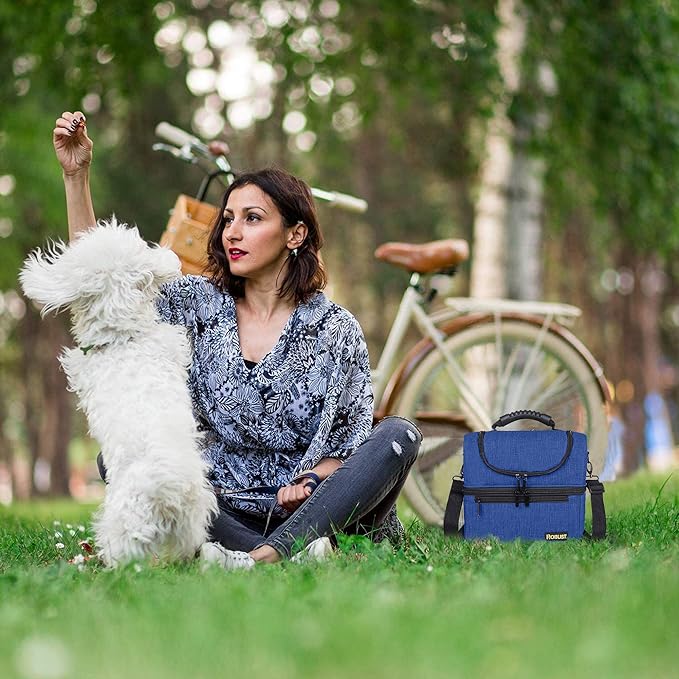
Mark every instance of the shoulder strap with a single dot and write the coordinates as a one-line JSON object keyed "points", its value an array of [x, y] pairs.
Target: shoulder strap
{"points": [[451, 518], [596, 498]]}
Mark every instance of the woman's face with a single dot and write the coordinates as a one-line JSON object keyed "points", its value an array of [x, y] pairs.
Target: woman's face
{"points": [[254, 238]]}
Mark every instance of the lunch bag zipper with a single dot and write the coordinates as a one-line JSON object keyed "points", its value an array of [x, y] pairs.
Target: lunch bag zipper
{"points": [[519, 494]]}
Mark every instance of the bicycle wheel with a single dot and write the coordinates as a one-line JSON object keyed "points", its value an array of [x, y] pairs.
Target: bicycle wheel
{"points": [[494, 366]]}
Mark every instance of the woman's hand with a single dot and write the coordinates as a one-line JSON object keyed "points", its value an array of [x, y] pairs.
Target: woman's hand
{"points": [[293, 495], [71, 143]]}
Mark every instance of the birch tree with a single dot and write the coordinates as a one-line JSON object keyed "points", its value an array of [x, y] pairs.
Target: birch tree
{"points": [[493, 205]]}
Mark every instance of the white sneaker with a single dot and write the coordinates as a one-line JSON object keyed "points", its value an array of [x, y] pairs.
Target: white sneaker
{"points": [[230, 560], [318, 550]]}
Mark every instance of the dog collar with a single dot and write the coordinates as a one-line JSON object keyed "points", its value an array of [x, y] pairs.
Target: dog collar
{"points": [[92, 346]]}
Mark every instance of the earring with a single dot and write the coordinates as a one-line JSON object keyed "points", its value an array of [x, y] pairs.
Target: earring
{"points": [[293, 252]]}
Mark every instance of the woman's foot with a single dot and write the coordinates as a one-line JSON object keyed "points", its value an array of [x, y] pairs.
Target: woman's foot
{"points": [[318, 550], [265, 554], [230, 560], [391, 529]]}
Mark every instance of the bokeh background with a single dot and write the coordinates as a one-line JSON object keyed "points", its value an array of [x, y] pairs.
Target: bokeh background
{"points": [[545, 132]]}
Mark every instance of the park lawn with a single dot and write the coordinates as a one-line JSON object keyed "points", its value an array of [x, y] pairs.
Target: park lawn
{"points": [[436, 608]]}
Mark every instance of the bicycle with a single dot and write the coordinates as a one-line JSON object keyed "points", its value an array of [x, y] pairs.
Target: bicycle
{"points": [[476, 360]]}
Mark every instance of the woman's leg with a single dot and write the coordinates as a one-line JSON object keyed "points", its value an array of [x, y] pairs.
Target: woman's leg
{"points": [[237, 531], [363, 489], [382, 523]]}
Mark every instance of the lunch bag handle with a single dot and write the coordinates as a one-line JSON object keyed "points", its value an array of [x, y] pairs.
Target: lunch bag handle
{"points": [[524, 415]]}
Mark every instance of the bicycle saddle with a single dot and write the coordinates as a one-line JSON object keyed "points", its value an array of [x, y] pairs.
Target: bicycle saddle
{"points": [[429, 257]]}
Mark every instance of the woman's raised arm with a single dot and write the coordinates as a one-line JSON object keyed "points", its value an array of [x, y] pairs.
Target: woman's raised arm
{"points": [[74, 153]]}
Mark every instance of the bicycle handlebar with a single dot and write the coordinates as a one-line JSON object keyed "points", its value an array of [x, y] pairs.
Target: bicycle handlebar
{"points": [[191, 143], [178, 137], [343, 200]]}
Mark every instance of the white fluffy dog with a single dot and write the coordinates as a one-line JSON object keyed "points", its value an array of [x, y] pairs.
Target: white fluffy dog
{"points": [[129, 371]]}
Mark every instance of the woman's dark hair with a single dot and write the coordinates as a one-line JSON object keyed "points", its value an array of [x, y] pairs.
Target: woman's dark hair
{"points": [[305, 273]]}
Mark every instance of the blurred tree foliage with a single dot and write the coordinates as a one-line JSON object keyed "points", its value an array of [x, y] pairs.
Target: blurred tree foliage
{"points": [[612, 144], [66, 56]]}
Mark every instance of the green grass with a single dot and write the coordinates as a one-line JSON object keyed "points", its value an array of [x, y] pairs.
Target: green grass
{"points": [[436, 608]]}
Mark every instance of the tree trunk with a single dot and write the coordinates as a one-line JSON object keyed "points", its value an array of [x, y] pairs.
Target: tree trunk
{"points": [[631, 379], [489, 265], [47, 409], [56, 434], [659, 444], [28, 330], [6, 451], [524, 220]]}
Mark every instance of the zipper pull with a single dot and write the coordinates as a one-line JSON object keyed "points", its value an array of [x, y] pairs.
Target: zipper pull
{"points": [[526, 497], [478, 506]]}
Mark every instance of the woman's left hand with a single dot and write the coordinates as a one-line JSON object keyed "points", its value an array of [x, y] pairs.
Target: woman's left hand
{"points": [[292, 496]]}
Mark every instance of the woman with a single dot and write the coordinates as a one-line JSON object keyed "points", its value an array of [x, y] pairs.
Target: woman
{"points": [[280, 378]]}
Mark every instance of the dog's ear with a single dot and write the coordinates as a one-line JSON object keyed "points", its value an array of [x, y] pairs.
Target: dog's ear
{"points": [[165, 265], [47, 279]]}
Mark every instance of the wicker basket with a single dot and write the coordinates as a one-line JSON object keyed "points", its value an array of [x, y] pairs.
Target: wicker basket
{"points": [[188, 231]]}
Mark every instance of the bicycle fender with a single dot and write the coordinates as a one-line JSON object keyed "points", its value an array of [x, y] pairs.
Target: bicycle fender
{"points": [[420, 350]]}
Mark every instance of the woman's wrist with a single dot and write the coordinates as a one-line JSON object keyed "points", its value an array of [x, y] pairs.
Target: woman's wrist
{"points": [[80, 176], [306, 478], [326, 467]]}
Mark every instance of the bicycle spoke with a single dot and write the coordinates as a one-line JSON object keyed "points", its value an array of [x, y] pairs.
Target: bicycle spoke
{"points": [[499, 351], [546, 395], [472, 406], [532, 358], [501, 405]]}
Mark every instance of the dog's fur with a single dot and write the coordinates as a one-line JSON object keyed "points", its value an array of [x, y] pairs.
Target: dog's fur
{"points": [[129, 372]]}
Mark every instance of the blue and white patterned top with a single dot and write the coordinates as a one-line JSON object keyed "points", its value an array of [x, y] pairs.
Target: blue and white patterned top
{"points": [[310, 397]]}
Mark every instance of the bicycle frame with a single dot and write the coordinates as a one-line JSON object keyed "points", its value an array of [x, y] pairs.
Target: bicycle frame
{"points": [[412, 311]]}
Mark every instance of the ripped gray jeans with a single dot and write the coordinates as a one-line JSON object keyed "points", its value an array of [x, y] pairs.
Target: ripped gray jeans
{"points": [[355, 499]]}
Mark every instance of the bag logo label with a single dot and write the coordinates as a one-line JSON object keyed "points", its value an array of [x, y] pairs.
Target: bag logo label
{"points": [[556, 536]]}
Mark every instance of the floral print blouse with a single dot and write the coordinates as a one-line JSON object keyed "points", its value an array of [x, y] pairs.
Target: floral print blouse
{"points": [[310, 397]]}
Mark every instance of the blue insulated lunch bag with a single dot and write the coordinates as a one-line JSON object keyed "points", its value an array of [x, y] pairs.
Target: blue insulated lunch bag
{"points": [[527, 484]]}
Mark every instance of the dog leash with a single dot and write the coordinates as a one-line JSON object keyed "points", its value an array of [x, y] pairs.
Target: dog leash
{"points": [[314, 480]]}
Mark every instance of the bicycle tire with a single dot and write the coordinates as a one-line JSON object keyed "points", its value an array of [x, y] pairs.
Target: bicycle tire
{"points": [[563, 383]]}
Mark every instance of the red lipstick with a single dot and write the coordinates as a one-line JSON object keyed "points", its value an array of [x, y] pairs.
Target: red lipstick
{"points": [[236, 253]]}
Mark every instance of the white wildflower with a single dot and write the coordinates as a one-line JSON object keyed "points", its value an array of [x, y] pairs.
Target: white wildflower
{"points": [[81, 528], [71, 532], [57, 534], [60, 545]]}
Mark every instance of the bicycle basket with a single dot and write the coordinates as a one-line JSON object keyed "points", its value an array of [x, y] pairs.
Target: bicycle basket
{"points": [[187, 233]]}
